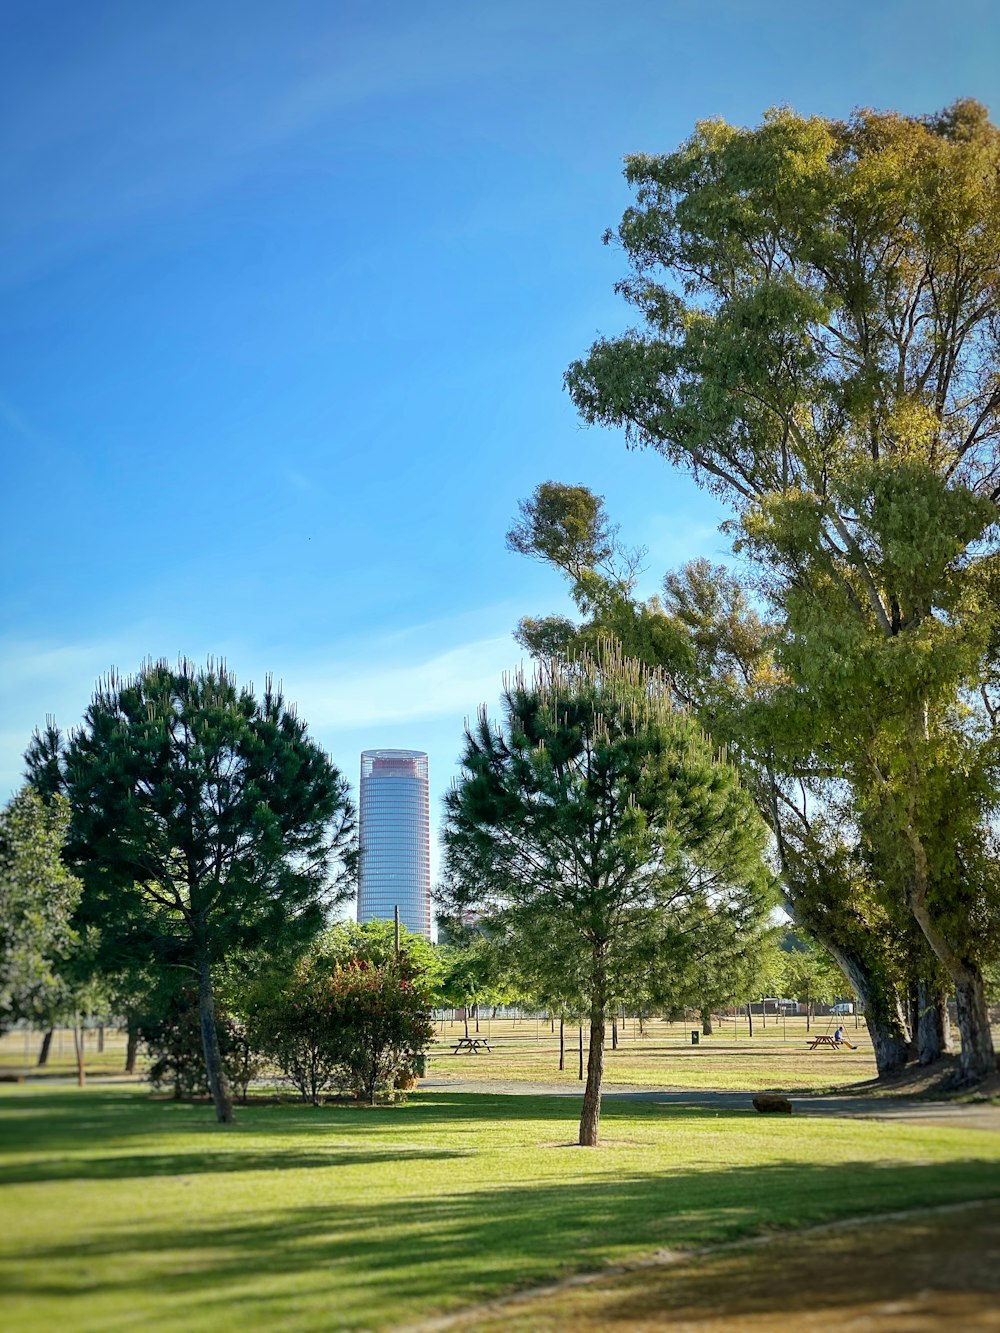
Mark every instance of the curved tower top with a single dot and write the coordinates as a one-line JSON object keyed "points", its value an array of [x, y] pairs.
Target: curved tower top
{"points": [[394, 760]]}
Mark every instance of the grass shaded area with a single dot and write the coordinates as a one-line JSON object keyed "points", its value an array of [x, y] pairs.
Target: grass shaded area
{"points": [[122, 1211]]}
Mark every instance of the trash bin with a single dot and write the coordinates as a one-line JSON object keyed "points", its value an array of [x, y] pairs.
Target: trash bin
{"points": [[695, 1034]]}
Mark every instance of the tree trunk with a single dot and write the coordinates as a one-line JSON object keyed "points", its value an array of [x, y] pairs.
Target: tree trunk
{"points": [[43, 1054], [978, 1058], [933, 1024], [750, 1019], [706, 1021], [217, 1081], [132, 1048], [590, 1115], [845, 936], [883, 1013], [100, 1039], [81, 1073], [562, 1043], [465, 1019], [614, 1034], [580, 1047]]}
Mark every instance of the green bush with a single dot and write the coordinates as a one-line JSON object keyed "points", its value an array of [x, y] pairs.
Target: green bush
{"points": [[381, 1015], [173, 1041], [353, 1025], [293, 1027]]}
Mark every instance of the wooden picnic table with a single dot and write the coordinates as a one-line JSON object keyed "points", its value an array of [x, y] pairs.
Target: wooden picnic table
{"points": [[471, 1046], [826, 1040]]}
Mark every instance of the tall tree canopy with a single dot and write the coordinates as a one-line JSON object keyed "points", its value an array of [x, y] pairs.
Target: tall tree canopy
{"points": [[204, 821], [596, 827], [821, 350]]}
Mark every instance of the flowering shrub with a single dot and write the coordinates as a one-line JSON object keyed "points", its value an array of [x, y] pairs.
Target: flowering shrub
{"points": [[384, 1024], [353, 1025]]}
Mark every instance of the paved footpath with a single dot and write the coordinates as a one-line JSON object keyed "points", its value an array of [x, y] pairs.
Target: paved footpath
{"points": [[962, 1115]]}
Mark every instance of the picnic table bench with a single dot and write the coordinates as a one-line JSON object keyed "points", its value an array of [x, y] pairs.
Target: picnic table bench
{"points": [[471, 1045], [826, 1040]]}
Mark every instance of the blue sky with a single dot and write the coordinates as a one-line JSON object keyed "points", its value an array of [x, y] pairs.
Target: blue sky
{"points": [[287, 294]]}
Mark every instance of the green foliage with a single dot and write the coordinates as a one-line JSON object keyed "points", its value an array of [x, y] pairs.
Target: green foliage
{"points": [[351, 1015], [173, 1041], [595, 829], [821, 303], [205, 823], [294, 1029], [375, 942], [382, 1018], [38, 897], [810, 974], [198, 808]]}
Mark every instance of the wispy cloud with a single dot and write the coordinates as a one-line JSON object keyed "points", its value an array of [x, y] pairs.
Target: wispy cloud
{"points": [[396, 684], [419, 674], [64, 155]]}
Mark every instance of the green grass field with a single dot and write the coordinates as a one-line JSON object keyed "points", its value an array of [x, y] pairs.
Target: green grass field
{"points": [[775, 1058], [121, 1211]]}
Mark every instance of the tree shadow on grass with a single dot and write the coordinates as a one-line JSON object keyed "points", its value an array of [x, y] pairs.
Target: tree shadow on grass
{"points": [[372, 1264]]}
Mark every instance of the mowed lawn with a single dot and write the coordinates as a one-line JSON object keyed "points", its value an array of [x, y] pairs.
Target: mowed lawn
{"points": [[121, 1212], [776, 1058]]}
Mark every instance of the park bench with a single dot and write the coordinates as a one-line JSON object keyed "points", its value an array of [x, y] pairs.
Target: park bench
{"points": [[826, 1040], [471, 1046]]}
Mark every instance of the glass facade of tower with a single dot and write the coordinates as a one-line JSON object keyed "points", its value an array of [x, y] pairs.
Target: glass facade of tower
{"points": [[395, 865]]}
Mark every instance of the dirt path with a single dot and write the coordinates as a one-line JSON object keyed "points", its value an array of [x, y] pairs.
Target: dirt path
{"points": [[965, 1115], [901, 1273]]}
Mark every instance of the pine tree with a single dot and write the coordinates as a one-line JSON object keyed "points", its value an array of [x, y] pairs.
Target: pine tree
{"points": [[204, 821], [589, 827]]}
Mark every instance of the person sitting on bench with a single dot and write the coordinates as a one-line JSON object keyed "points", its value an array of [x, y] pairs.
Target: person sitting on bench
{"points": [[840, 1040]]}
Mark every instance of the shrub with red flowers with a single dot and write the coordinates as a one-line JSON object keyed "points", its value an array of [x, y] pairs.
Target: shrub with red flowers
{"points": [[351, 1025], [382, 1016]]}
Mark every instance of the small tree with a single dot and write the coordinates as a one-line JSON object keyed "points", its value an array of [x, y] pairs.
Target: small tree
{"points": [[586, 826], [810, 974], [38, 897]]}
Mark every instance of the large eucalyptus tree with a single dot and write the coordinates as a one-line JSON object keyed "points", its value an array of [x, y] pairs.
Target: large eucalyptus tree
{"points": [[821, 302]]}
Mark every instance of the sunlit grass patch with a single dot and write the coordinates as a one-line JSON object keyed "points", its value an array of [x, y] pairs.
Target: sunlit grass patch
{"points": [[120, 1211]]}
